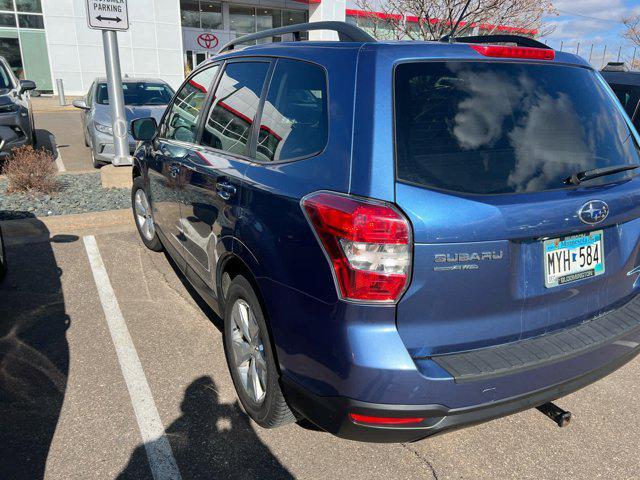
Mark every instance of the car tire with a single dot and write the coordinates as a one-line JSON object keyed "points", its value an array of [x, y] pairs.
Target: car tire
{"points": [[143, 216], [94, 161], [265, 404]]}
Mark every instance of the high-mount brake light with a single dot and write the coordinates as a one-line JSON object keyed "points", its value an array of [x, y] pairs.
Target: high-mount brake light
{"points": [[367, 243], [357, 418], [502, 51]]}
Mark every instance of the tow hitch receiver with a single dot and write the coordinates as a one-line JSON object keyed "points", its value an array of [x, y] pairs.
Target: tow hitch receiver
{"points": [[555, 413]]}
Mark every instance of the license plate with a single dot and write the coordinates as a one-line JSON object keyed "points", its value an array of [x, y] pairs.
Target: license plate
{"points": [[574, 258]]}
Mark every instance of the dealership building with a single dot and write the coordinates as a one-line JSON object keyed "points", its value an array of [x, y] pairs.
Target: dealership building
{"points": [[46, 40]]}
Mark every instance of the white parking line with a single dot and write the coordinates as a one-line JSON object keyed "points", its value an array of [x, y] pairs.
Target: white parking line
{"points": [[163, 464]]}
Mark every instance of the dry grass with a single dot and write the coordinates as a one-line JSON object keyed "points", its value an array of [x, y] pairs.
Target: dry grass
{"points": [[31, 171]]}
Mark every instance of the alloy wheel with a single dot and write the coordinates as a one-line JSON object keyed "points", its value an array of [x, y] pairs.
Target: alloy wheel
{"points": [[248, 351], [144, 217]]}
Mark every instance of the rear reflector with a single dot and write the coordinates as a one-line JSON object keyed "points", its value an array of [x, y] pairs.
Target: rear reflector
{"points": [[355, 417], [367, 243], [500, 51]]}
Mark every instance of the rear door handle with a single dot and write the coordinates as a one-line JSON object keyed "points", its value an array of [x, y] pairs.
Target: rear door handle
{"points": [[225, 190], [174, 171]]}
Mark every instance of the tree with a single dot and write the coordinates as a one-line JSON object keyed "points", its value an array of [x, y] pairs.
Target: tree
{"points": [[433, 19], [632, 32]]}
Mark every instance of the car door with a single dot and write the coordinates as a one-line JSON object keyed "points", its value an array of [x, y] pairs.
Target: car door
{"points": [[214, 173], [174, 145], [85, 115]]}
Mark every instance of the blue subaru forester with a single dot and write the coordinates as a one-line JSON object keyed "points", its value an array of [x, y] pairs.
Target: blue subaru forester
{"points": [[402, 238]]}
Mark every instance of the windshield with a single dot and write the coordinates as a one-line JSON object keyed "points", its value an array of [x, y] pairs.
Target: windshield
{"points": [[138, 93], [491, 127]]}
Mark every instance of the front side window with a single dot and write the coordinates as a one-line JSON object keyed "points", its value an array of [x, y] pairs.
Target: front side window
{"points": [[494, 127], [294, 117], [5, 79], [182, 121], [236, 103]]}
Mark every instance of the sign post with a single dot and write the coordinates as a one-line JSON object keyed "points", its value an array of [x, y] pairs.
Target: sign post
{"points": [[112, 16]]}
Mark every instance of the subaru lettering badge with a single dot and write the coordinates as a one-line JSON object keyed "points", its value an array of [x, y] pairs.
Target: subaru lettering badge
{"points": [[593, 212]]}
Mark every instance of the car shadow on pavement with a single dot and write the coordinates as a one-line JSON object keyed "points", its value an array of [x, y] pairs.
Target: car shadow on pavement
{"points": [[34, 357], [47, 140], [212, 440]]}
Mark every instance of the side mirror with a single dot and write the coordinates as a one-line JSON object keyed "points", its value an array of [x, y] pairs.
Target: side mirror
{"points": [[27, 85], [144, 129], [81, 104]]}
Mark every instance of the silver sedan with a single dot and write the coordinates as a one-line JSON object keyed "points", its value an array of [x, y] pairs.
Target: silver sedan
{"points": [[143, 98]]}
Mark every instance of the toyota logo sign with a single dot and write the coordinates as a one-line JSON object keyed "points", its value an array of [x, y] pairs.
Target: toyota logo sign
{"points": [[208, 41]]}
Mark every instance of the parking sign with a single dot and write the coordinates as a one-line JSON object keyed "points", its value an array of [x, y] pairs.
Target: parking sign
{"points": [[108, 14]]}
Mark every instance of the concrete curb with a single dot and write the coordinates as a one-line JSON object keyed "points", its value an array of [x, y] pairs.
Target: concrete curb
{"points": [[64, 228]]}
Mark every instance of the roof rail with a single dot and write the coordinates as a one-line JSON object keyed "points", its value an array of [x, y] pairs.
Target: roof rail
{"points": [[346, 33], [517, 39]]}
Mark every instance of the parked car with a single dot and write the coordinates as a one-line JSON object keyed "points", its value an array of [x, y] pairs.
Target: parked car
{"points": [[16, 115], [142, 98], [402, 238], [3, 258], [626, 86]]}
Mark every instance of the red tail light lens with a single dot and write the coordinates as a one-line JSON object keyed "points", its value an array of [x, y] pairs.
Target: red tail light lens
{"points": [[501, 51], [367, 243], [355, 417]]}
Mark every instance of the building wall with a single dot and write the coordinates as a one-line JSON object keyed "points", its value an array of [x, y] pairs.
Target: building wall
{"points": [[151, 48]]}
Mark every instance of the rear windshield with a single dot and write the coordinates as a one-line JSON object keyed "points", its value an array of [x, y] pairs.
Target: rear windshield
{"points": [[138, 94], [490, 127]]}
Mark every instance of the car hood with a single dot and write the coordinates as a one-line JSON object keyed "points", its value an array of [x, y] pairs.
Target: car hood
{"points": [[103, 113]]}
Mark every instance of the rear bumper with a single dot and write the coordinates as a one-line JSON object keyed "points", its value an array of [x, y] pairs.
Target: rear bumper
{"points": [[332, 413]]}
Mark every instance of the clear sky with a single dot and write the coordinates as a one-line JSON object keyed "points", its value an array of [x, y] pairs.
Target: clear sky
{"points": [[596, 22]]}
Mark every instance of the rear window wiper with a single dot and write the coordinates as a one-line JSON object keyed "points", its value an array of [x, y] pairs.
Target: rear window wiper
{"points": [[578, 178]]}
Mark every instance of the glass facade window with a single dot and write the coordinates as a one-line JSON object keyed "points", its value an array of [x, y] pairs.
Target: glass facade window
{"points": [[211, 15], [7, 20], [6, 5], [190, 13], [245, 20], [10, 50], [31, 6], [201, 14], [31, 21]]}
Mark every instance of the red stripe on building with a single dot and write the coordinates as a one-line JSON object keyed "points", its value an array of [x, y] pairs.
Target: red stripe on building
{"points": [[413, 19]]}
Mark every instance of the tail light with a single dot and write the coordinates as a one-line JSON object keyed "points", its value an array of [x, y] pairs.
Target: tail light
{"points": [[367, 242], [357, 418], [501, 51]]}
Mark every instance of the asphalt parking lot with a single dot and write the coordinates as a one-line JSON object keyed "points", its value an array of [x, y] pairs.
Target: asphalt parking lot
{"points": [[78, 405]]}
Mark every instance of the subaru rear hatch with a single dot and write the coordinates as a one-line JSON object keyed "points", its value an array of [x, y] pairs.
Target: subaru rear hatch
{"points": [[513, 239]]}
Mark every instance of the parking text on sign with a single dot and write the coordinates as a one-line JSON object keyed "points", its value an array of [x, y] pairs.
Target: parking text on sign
{"points": [[108, 14]]}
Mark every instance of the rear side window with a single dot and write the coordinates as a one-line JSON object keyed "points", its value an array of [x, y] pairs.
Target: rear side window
{"points": [[235, 106], [182, 120], [294, 117], [491, 127]]}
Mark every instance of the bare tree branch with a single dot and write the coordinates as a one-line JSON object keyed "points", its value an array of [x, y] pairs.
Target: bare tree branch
{"points": [[433, 19]]}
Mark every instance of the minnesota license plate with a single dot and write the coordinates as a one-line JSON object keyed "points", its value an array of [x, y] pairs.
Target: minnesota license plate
{"points": [[574, 258]]}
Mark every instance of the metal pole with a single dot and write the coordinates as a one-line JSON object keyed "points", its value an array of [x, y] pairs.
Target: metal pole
{"points": [[604, 56], [61, 96], [619, 51], [561, 45], [590, 53], [116, 98], [633, 59], [578, 49]]}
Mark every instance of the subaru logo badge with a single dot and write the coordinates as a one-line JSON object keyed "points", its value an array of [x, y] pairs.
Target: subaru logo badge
{"points": [[593, 212]]}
